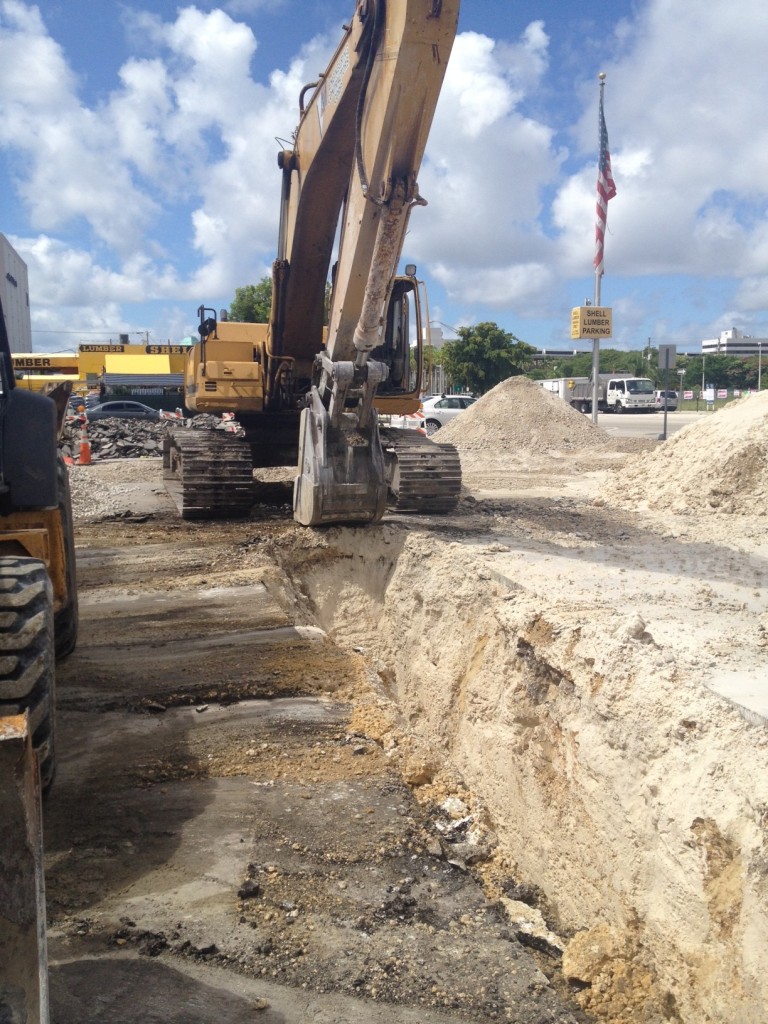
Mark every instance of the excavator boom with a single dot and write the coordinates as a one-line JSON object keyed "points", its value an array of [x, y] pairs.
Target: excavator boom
{"points": [[359, 144]]}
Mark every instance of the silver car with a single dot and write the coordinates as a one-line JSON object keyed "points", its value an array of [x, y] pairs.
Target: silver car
{"points": [[121, 409], [671, 398]]}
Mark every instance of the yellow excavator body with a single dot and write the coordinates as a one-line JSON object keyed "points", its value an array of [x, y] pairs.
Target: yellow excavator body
{"points": [[226, 373]]}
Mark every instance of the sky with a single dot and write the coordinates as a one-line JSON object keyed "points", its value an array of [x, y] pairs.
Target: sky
{"points": [[138, 173]]}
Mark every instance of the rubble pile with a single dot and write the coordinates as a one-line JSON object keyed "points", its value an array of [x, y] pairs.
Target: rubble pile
{"points": [[207, 421], [115, 438], [133, 438]]}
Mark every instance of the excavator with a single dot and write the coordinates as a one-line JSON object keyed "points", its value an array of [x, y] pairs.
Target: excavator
{"points": [[303, 393], [38, 625]]}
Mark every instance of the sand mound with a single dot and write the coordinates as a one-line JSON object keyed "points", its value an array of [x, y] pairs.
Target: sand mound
{"points": [[520, 414], [718, 464]]}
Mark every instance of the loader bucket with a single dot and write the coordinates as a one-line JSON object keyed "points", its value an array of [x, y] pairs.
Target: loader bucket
{"points": [[23, 949], [341, 471]]}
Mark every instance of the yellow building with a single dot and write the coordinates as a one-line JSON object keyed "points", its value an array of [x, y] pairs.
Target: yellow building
{"points": [[132, 366]]}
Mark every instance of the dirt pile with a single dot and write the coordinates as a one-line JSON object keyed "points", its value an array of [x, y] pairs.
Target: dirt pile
{"points": [[519, 414], [719, 464]]}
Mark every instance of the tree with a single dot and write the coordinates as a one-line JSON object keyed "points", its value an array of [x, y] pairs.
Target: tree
{"points": [[253, 303], [484, 355], [721, 371]]}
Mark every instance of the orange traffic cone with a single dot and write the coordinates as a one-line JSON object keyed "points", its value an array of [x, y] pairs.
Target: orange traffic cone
{"points": [[85, 449]]}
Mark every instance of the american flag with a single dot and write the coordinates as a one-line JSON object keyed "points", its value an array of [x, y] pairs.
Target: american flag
{"points": [[606, 189]]}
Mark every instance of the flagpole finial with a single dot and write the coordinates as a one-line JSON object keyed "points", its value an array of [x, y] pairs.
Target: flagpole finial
{"points": [[601, 76]]}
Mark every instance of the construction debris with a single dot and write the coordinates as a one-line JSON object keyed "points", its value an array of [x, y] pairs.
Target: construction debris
{"points": [[113, 438], [131, 438]]}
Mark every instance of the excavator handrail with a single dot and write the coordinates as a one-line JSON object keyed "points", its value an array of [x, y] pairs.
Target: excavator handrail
{"points": [[305, 90]]}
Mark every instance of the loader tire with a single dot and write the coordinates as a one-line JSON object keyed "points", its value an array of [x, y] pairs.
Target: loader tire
{"points": [[66, 618], [27, 673]]}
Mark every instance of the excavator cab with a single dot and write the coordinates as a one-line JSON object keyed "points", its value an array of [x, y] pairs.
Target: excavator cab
{"points": [[402, 321]]}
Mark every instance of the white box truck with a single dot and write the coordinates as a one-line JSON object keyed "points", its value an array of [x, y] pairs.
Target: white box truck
{"points": [[616, 392]]}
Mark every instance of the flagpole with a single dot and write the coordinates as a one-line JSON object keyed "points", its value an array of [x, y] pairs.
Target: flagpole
{"points": [[598, 277], [599, 269]]}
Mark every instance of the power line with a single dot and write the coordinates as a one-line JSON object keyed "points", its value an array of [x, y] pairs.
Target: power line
{"points": [[105, 331]]}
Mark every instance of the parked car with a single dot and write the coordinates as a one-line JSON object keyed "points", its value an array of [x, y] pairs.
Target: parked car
{"points": [[442, 409], [671, 400], [121, 409]]}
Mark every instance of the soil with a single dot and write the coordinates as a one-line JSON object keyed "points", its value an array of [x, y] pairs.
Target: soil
{"points": [[508, 764]]}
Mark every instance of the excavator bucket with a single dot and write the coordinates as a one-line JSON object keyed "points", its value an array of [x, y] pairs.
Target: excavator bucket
{"points": [[341, 471], [23, 949]]}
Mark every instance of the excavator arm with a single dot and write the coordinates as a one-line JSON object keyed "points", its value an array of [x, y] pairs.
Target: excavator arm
{"points": [[355, 160]]}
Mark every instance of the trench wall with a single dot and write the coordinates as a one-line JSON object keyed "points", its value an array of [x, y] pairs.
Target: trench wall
{"points": [[626, 791]]}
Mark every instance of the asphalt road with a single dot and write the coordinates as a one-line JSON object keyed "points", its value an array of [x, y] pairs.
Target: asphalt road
{"points": [[647, 424]]}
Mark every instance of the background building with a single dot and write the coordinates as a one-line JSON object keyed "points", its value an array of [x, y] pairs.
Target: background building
{"points": [[14, 292], [434, 380], [733, 343]]}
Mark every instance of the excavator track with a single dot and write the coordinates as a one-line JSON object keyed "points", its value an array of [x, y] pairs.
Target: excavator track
{"points": [[208, 473], [423, 476]]}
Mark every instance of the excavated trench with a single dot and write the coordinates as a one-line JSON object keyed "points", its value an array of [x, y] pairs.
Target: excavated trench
{"points": [[597, 773]]}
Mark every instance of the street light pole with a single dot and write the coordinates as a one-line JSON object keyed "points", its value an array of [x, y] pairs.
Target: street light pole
{"points": [[759, 363]]}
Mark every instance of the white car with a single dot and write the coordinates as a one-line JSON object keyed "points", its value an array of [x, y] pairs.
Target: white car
{"points": [[441, 409]]}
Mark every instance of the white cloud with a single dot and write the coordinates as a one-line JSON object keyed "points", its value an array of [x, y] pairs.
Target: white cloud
{"points": [[27, 51], [247, 7], [484, 171], [139, 113], [186, 129], [67, 164], [68, 276], [499, 287]]}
